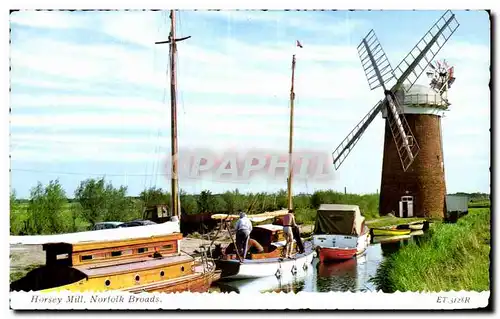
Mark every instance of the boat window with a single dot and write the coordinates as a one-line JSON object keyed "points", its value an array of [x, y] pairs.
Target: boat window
{"points": [[127, 252], [62, 256], [142, 250], [182, 268], [162, 273], [116, 253], [167, 247], [86, 257], [137, 277], [107, 282]]}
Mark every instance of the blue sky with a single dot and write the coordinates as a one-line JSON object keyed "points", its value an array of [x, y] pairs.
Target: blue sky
{"points": [[89, 98]]}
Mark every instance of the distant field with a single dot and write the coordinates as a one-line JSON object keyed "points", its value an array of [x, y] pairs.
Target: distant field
{"points": [[20, 215]]}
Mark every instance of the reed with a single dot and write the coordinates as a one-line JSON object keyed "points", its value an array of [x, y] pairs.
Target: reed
{"points": [[450, 257]]}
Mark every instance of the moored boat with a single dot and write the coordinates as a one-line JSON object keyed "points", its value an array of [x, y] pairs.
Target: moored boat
{"points": [[390, 232], [416, 226], [269, 261], [135, 263], [340, 232]]}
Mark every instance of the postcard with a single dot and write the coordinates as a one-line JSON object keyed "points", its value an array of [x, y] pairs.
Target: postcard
{"points": [[300, 159]]}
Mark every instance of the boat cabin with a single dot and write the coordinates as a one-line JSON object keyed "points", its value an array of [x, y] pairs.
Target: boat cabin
{"points": [[157, 213], [107, 265], [266, 241], [337, 219]]}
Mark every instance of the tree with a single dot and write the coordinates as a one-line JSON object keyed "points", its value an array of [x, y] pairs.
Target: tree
{"points": [[45, 208], [118, 205], [154, 196], [14, 212], [206, 202], [189, 205], [91, 194]]}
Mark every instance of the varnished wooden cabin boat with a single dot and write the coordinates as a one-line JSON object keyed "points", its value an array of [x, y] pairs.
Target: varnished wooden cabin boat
{"points": [[135, 264], [266, 250]]}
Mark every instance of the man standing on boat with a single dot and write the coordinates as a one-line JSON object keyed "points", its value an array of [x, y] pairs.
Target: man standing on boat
{"points": [[243, 229], [288, 225]]}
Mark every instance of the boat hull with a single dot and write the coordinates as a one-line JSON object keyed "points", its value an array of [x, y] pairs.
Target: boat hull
{"points": [[259, 268], [340, 247], [391, 232], [199, 282], [334, 254]]}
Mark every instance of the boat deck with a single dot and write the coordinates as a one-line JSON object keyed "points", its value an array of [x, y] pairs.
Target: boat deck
{"points": [[131, 265]]}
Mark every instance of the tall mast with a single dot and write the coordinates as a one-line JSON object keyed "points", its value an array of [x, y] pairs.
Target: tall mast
{"points": [[175, 205], [290, 142]]}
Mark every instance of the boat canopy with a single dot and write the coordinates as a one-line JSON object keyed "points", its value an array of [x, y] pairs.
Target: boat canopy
{"points": [[339, 220], [100, 235]]}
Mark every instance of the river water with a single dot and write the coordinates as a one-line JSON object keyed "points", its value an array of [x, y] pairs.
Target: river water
{"points": [[351, 275]]}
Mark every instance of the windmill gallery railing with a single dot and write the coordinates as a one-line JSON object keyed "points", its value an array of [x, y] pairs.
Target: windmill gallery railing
{"points": [[416, 100]]}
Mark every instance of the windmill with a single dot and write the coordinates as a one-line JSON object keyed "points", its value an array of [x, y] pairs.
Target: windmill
{"points": [[412, 130]]}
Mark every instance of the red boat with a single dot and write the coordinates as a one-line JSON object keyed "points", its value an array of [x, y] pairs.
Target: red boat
{"points": [[329, 254], [340, 232]]}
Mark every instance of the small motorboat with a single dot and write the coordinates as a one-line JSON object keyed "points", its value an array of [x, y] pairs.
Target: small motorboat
{"points": [[416, 226], [390, 232], [340, 232]]}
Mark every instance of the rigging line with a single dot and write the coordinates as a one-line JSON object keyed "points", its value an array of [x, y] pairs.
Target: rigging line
{"points": [[121, 175]]}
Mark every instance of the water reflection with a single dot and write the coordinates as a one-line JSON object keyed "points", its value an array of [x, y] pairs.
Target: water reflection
{"points": [[351, 275]]}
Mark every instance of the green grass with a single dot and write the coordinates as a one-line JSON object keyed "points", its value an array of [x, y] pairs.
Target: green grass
{"points": [[451, 257], [480, 204], [305, 216], [18, 274]]}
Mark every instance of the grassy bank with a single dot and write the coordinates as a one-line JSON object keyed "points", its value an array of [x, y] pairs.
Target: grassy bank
{"points": [[452, 257]]}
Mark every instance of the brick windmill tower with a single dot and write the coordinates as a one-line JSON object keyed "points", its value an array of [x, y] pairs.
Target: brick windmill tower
{"points": [[413, 182]]}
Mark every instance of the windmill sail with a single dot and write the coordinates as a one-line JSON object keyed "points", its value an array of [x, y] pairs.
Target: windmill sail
{"points": [[341, 152], [405, 143], [378, 69], [423, 53]]}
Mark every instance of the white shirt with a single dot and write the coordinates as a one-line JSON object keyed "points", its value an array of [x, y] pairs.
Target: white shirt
{"points": [[244, 224]]}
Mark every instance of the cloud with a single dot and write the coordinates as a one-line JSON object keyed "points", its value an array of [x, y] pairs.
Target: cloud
{"points": [[76, 99], [47, 19]]}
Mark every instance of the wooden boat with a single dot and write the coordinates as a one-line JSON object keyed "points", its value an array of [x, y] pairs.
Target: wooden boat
{"points": [[286, 282], [137, 263], [416, 226], [340, 232], [390, 232], [268, 262], [389, 239]]}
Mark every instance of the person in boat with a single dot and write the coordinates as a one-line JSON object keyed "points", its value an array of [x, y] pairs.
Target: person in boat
{"points": [[243, 229], [288, 224], [298, 240]]}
